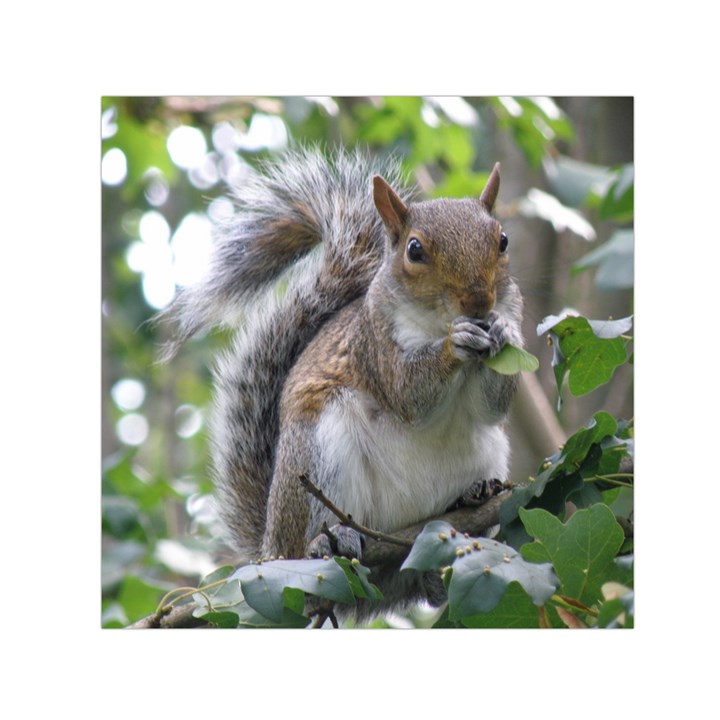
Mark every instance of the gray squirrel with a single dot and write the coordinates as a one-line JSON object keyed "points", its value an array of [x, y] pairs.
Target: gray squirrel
{"points": [[361, 322]]}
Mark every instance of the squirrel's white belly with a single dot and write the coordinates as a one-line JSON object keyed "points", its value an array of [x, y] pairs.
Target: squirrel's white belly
{"points": [[388, 474]]}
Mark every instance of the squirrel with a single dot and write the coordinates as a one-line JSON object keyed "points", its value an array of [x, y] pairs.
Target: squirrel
{"points": [[361, 322]]}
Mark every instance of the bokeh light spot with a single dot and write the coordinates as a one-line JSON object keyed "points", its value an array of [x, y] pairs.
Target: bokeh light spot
{"points": [[113, 170], [128, 394]]}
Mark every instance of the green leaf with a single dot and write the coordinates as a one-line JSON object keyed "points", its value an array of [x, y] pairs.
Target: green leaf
{"points": [[593, 450], [121, 476], [461, 183], [139, 598], [220, 574], [445, 623], [458, 147], [435, 547], [230, 602], [225, 597], [515, 610], [618, 202], [549, 490], [576, 447], [482, 569], [113, 616], [582, 551], [222, 619], [358, 577], [481, 577], [121, 517], [617, 613], [589, 360], [263, 584], [294, 600], [534, 122], [512, 360]]}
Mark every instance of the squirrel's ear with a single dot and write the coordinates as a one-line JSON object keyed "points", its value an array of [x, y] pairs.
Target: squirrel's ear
{"points": [[391, 208], [489, 194]]}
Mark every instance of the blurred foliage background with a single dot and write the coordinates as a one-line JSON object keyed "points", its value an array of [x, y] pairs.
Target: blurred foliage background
{"points": [[566, 202]]}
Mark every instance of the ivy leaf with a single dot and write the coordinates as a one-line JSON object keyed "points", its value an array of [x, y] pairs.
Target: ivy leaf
{"points": [[435, 547], [222, 619], [582, 551], [481, 577], [220, 574], [263, 584], [589, 360], [224, 596], [231, 610], [515, 610], [482, 569], [512, 360], [549, 490], [576, 448], [596, 449], [358, 577]]}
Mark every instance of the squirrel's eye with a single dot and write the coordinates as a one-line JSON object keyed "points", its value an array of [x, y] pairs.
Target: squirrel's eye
{"points": [[503, 243], [415, 250]]}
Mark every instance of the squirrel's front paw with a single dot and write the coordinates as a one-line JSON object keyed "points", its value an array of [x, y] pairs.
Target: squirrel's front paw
{"points": [[501, 331], [474, 338], [337, 540]]}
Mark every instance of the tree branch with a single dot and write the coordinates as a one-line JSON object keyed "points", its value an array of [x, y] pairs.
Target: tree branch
{"points": [[471, 520], [345, 519], [378, 553], [180, 616]]}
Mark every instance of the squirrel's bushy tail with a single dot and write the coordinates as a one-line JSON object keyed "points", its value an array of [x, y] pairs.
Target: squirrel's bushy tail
{"points": [[304, 242]]}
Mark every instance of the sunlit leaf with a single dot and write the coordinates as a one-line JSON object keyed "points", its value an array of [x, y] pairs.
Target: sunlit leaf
{"points": [[538, 203], [512, 360], [589, 360], [582, 551]]}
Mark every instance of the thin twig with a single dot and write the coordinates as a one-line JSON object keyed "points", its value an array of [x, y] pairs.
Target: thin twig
{"points": [[346, 519]]}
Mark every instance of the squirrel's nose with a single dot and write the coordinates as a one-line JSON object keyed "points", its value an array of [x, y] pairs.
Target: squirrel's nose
{"points": [[477, 304]]}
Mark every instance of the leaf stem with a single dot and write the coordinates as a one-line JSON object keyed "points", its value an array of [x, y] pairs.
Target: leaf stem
{"points": [[613, 478], [186, 593], [558, 600]]}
